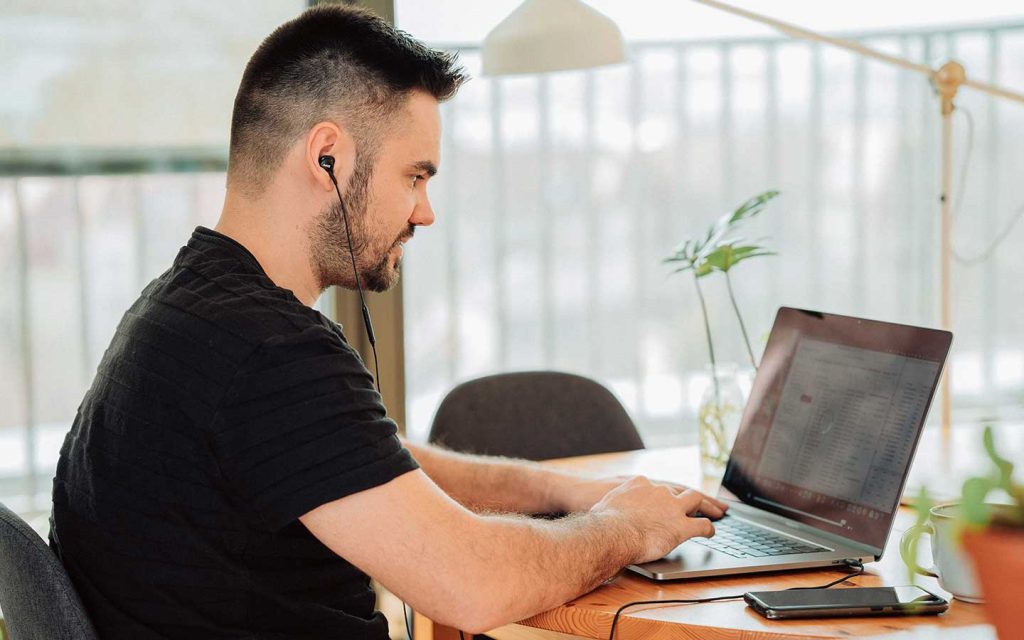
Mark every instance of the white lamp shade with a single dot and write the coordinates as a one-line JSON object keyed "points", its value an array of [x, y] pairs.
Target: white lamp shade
{"points": [[552, 35]]}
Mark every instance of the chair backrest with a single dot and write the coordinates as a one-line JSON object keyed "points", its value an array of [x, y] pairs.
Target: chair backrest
{"points": [[36, 595], [536, 415]]}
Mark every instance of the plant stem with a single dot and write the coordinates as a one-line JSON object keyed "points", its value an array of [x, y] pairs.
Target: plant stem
{"points": [[711, 347], [743, 327]]}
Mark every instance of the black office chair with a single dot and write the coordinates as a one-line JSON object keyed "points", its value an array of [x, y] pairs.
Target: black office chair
{"points": [[36, 595], [536, 415]]}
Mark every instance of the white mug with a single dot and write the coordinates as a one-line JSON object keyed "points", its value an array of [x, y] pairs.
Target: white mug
{"points": [[953, 567]]}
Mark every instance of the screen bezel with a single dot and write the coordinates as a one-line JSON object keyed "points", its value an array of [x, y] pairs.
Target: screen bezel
{"points": [[791, 325]]}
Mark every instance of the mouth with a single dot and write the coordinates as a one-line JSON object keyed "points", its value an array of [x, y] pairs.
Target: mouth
{"points": [[400, 243], [399, 246]]}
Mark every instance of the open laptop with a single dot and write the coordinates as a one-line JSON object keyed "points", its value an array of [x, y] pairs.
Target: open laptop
{"points": [[823, 449]]}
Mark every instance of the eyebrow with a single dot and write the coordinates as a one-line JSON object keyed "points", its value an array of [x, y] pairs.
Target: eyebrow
{"points": [[426, 166]]}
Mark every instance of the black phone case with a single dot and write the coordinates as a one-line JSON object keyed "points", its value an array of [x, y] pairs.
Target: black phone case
{"points": [[791, 611]]}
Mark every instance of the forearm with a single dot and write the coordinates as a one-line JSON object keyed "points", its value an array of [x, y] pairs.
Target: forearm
{"points": [[488, 483], [525, 566]]}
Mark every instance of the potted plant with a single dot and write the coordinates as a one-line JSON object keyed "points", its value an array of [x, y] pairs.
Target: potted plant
{"points": [[992, 535], [720, 250]]}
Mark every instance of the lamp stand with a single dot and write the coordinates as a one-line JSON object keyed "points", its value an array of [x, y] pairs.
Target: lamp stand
{"points": [[947, 81]]}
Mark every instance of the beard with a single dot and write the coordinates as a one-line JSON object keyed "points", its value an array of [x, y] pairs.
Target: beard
{"points": [[329, 247]]}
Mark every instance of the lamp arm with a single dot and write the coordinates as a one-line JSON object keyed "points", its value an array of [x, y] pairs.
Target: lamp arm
{"points": [[994, 90], [855, 47]]}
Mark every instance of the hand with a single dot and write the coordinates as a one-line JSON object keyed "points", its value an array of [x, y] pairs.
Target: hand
{"points": [[582, 494], [662, 517]]}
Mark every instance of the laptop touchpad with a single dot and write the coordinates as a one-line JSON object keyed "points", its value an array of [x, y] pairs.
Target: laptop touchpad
{"points": [[688, 555]]}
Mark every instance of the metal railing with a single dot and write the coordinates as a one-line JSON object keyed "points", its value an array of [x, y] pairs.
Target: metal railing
{"points": [[81, 233], [43, 193]]}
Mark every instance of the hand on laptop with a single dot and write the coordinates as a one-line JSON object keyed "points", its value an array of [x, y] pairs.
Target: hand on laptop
{"points": [[583, 494], [661, 514]]}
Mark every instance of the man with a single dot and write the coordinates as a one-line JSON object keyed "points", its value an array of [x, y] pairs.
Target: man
{"points": [[232, 473]]}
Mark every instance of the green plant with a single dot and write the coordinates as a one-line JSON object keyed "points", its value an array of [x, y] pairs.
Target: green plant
{"points": [[975, 512], [719, 250]]}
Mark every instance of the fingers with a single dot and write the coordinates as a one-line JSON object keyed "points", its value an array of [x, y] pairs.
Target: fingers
{"points": [[704, 527], [691, 500], [714, 506], [720, 507], [711, 509]]}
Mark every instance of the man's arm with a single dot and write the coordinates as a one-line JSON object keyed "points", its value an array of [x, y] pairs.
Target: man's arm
{"points": [[478, 572], [492, 483], [489, 483]]}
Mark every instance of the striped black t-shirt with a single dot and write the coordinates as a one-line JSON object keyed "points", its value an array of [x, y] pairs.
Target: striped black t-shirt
{"points": [[222, 411]]}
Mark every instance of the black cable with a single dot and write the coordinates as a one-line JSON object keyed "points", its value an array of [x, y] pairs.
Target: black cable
{"points": [[359, 288], [408, 628], [615, 621]]}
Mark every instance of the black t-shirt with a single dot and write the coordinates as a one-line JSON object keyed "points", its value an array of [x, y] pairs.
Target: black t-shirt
{"points": [[223, 410]]}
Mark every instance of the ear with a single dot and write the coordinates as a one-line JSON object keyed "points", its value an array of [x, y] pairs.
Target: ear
{"points": [[329, 139]]}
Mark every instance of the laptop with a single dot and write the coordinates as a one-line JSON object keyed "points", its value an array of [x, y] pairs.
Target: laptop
{"points": [[823, 449]]}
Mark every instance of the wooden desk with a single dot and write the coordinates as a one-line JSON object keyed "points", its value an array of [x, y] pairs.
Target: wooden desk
{"points": [[590, 615]]}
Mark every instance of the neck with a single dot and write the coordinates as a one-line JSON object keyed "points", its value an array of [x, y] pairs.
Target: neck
{"points": [[272, 227]]}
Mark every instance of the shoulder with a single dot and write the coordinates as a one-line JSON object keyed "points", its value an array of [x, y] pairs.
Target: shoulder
{"points": [[226, 302]]}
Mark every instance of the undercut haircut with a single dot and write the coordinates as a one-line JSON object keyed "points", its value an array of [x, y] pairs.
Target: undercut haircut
{"points": [[336, 63]]}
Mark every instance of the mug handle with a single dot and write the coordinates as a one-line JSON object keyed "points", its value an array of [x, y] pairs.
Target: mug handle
{"points": [[909, 537]]}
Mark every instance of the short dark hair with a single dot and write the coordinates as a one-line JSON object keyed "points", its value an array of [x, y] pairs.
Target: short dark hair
{"points": [[331, 62]]}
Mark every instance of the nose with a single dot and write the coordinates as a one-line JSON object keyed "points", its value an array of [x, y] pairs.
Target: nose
{"points": [[423, 214]]}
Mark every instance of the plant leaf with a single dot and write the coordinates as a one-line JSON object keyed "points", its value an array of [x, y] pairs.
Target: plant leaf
{"points": [[727, 256], [1005, 466], [974, 492], [706, 254], [752, 207]]}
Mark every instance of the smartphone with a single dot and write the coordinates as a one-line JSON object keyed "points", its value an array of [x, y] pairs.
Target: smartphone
{"points": [[852, 601]]}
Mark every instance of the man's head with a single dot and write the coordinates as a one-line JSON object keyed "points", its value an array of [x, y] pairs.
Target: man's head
{"points": [[340, 81]]}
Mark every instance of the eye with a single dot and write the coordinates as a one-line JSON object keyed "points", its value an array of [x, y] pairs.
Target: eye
{"points": [[415, 180]]}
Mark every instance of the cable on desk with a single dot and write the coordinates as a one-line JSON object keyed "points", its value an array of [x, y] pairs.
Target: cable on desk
{"points": [[853, 564]]}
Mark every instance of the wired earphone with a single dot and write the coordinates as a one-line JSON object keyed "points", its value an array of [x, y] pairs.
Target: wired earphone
{"points": [[327, 164]]}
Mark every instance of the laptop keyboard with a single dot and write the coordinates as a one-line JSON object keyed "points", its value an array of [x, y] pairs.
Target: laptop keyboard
{"points": [[741, 539]]}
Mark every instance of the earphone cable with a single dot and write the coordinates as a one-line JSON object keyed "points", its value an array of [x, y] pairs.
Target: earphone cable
{"points": [[359, 285]]}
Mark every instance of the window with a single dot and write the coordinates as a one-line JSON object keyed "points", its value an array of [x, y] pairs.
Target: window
{"points": [[114, 130], [559, 195]]}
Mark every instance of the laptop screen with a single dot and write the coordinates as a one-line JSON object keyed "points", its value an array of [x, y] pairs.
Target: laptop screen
{"points": [[833, 420]]}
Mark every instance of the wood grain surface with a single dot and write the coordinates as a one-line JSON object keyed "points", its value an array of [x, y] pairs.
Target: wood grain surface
{"points": [[590, 616]]}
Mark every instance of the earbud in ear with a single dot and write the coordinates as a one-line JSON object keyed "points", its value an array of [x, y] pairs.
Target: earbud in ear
{"points": [[327, 162]]}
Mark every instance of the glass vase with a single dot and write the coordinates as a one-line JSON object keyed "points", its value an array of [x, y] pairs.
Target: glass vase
{"points": [[718, 416]]}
